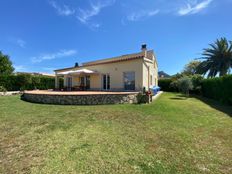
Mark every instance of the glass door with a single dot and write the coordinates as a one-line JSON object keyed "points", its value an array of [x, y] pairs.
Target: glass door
{"points": [[69, 82], [82, 81], [87, 82], [105, 81]]}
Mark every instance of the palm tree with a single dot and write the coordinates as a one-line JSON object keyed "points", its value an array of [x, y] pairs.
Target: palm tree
{"points": [[217, 59]]}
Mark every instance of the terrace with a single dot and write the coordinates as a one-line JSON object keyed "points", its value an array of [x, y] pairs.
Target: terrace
{"points": [[79, 97]]}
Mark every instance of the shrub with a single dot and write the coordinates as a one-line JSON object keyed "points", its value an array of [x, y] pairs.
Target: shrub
{"points": [[142, 98], [36, 80], [219, 88], [166, 85], [26, 82], [23, 81], [8, 81], [197, 83], [185, 84], [2, 89]]}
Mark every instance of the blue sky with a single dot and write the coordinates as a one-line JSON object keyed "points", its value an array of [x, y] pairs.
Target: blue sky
{"points": [[43, 35]]}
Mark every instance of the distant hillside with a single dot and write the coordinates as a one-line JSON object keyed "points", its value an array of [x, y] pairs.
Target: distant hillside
{"points": [[162, 74]]}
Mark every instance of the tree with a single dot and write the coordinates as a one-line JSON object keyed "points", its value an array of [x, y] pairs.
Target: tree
{"points": [[217, 59], [185, 84], [5, 65], [191, 67]]}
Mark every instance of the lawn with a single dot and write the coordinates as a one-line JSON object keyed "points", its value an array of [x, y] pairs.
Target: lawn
{"points": [[171, 135]]}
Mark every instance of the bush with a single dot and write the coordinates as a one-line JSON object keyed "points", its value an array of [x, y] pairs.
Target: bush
{"points": [[8, 81], [171, 84], [219, 88], [185, 84], [26, 82], [142, 98], [166, 85], [2, 89], [23, 81], [36, 80], [197, 83]]}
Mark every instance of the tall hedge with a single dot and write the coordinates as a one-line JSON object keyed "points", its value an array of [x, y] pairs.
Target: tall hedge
{"points": [[219, 88], [26, 82], [165, 85]]}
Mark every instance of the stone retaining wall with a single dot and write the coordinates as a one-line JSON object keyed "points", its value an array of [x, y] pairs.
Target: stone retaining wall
{"points": [[93, 99], [9, 93]]}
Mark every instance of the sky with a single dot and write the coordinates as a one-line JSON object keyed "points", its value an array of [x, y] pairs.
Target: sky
{"points": [[43, 35]]}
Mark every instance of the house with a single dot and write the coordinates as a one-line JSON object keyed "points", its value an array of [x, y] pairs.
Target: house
{"points": [[130, 72]]}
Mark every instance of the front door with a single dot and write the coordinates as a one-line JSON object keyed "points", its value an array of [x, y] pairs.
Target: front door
{"points": [[105, 81]]}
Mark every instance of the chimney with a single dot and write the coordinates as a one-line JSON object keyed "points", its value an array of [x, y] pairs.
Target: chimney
{"points": [[144, 49], [76, 64]]}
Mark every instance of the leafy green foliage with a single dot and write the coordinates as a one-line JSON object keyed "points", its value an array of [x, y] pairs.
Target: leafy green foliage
{"points": [[217, 59], [142, 98], [26, 82], [219, 88], [197, 83], [2, 89], [184, 85], [191, 68], [165, 85], [5, 65]]}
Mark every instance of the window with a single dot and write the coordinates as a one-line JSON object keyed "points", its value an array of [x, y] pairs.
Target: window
{"points": [[151, 82], [129, 80]]}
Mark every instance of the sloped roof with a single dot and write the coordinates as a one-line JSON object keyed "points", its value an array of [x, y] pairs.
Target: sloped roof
{"points": [[80, 71], [126, 57]]}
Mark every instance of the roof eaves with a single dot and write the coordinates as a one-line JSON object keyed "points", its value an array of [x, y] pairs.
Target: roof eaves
{"points": [[111, 60]]}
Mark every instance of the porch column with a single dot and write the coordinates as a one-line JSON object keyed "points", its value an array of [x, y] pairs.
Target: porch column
{"points": [[57, 85]]}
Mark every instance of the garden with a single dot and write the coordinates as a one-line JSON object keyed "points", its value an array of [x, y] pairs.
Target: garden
{"points": [[174, 134]]}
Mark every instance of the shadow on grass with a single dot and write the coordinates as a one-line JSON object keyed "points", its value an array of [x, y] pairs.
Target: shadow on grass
{"points": [[216, 105], [180, 97]]}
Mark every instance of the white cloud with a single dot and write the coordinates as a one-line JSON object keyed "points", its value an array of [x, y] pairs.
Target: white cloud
{"points": [[142, 15], [63, 10], [17, 41], [19, 68], [59, 54], [85, 16], [21, 43], [193, 7]]}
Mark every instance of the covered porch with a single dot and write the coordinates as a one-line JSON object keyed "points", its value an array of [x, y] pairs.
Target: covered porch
{"points": [[79, 80]]}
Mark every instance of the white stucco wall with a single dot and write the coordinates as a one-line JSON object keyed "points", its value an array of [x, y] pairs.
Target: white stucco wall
{"points": [[116, 70], [150, 68]]}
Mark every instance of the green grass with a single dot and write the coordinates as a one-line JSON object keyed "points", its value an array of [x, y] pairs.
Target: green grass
{"points": [[171, 135]]}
